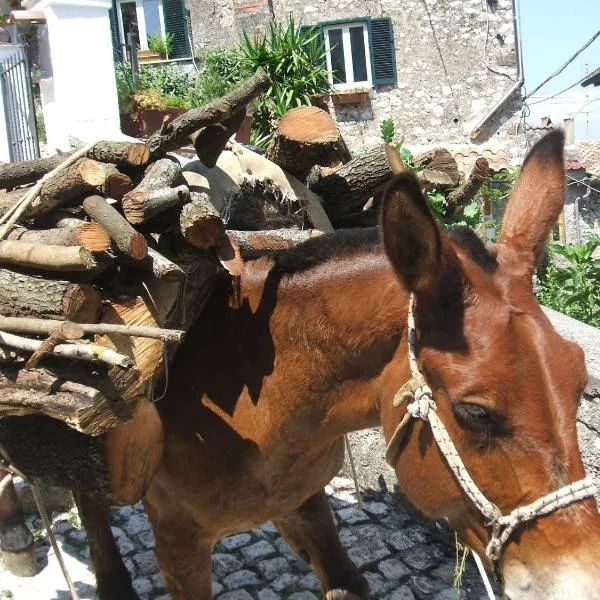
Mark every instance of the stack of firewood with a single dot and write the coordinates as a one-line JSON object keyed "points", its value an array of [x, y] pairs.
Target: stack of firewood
{"points": [[108, 254]]}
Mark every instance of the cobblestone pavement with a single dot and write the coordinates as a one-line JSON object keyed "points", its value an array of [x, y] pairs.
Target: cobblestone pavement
{"points": [[402, 556]]}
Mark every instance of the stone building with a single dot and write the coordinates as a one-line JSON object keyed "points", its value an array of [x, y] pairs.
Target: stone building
{"points": [[445, 71]]}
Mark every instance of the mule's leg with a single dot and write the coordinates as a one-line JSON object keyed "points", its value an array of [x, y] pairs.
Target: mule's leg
{"points": [[311, 532], [183, 552], [16, 541], [112, 577]]}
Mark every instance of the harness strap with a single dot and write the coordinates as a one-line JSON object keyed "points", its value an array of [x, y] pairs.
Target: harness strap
{"points": [[423, 407]]}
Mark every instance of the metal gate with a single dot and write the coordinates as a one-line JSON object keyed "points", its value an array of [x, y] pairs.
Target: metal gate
{"points": [[17, 98]]}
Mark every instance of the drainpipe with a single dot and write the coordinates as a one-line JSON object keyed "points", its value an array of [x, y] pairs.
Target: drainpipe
{"points": [[476, 131]]}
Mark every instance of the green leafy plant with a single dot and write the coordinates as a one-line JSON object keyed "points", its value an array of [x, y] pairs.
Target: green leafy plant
{"points": [[571, 281], [170, 80], [220, 71], [152, 99], [387, 128], [294, 59], [176, 102], [161, 45]]}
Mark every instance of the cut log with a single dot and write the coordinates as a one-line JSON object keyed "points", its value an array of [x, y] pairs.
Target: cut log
{"points": [[200, 222], [154, 193], [8, 200], [466, 191], [133, 154], [26, 295], [126, 238], [133, 451], [46, 257], [440, 160], [307, 136], [161, 267], [259, 243], [91, 236], [211, 141], [40, 392], [175, 134], [146, 353], [348, 189], [116, 184]]}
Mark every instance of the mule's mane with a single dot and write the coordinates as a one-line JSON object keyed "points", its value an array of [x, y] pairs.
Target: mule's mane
{"points": [[348, 242]]}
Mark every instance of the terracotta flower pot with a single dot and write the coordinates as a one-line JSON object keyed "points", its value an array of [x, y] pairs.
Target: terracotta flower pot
{"points": [[143, 123]]}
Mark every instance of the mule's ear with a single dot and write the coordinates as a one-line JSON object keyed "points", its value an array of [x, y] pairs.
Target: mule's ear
{"points": [[411, 236], [536, 201]]}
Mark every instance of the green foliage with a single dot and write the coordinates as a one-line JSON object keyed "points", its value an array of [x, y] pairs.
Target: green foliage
{"points": [[295, 62], [161, 45], [170, 80], [571, 283], [124, 85], [176, 102], [387, 128], [220, 71]]}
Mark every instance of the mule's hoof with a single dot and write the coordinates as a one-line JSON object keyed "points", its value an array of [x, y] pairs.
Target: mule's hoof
{"points": [[21, 564], [342, 595]]}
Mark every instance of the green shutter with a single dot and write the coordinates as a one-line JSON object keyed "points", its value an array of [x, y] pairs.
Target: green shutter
{"points": [[114, 32], [383, 53], [176, 23]]}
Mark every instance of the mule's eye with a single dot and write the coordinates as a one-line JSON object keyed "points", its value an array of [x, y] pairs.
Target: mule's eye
{"points": [[475, 417]]}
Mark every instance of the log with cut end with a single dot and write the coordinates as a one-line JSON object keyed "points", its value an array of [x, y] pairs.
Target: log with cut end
{"points": [[30, 296], [466, 191], [146, 353], [126, 238], [46, 257], [307, 136], [211, 141], [116, 184], [91, 236], [161, 267], [131, 154], [29, 171], [175, 134], [347, 189], [200, 222], [258, 243], [154, 194], [41, 392], [438, 161]]}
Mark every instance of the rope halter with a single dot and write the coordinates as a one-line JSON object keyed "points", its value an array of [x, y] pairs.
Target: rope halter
{"points": [[423, 407]]}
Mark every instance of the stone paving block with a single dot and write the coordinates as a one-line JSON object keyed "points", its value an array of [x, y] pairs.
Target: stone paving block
{"points": [[269, 528], [424, 587], [146, 563], [254, 553], [233, 542], [407, 538], [136, 524], [378, 509], [241, 578], [448, 593], [146, 539], [142, 586], [352, 515], [378, 584], [125, 545], [217, 588], [78, 537], [310, 582], [284, 582], [158, 583], [236, 595], [224, 564], [393, 569], [267, 594], [423, 556], [402, 593], [302, 596], [367, 552], [273, 567]]}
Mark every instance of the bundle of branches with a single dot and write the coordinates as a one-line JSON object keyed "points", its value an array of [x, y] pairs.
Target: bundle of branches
{"points": [[98, 248]]}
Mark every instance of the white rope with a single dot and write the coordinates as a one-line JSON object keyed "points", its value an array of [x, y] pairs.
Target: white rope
{"points": [[424, 407], [484, 576]]}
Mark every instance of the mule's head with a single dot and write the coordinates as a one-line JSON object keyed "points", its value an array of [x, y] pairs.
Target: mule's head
{"points": [[506, 385]]}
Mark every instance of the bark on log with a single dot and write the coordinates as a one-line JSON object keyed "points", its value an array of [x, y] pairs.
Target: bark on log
{"points": [[175, 134], [146, 353], [122, 153], [259, 243], [127, 239], [211, 141], [46, 257], [26, 295], [116, 184], [348, 189], [91, 236], [439, 159], [466, 191], [161, 267], [40, 392], [8, 200], [154, 193], [307, 136], [200, 222]]}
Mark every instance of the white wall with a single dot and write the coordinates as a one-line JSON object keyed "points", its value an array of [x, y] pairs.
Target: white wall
{"points": [[80, 99]]}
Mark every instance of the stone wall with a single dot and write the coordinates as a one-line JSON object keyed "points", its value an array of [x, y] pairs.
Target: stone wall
{"points": [[582, 211], [432, 101]]}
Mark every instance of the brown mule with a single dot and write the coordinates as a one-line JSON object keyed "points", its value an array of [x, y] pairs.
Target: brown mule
{"points": [[261, 396]]}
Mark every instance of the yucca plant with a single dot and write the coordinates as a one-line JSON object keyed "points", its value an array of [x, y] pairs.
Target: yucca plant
{"points": [[294, 59]]}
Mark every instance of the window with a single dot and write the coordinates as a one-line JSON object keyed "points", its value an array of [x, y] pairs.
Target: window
{"points": [[348, 58], [359, 52], [146, 18]]}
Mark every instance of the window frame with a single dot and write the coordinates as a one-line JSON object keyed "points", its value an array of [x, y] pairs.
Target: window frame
{"points": [[347, 48], [141, 17]]}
